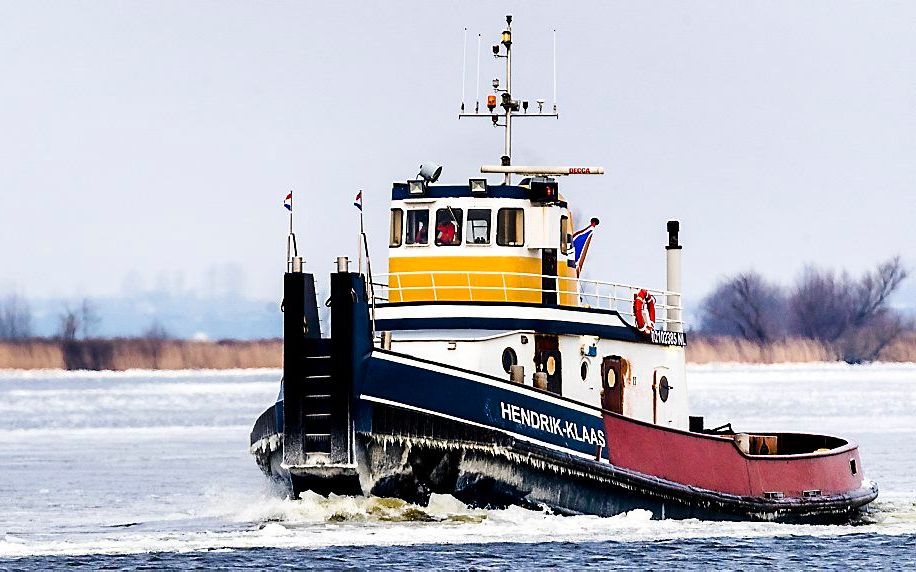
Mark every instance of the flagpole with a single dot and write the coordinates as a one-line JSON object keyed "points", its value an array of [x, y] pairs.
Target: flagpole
{"points": [[361, 237], [365, 245], [292, 251]]}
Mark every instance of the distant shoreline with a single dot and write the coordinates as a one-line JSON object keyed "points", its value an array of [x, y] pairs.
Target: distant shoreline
{"points": [[716, 349], [121, 354], [138, 353]]}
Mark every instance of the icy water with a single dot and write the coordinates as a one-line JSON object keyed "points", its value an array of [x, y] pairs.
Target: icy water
{"points": [[151, 470]]}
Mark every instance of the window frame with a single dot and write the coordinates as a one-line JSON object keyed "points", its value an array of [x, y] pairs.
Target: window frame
{"points": [[400, 237], [565, 235], [467, 227], [407, 227], [499, 234], [458, 220]]}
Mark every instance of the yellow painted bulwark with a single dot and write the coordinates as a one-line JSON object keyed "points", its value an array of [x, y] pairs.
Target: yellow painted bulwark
{"points": [[567, 288], [464, 278]]}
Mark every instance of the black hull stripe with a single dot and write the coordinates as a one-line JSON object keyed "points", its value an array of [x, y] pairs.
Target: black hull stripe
{"points": [[491, 406], [607, 332]]}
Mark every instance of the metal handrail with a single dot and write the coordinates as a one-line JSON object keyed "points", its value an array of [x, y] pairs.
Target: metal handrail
{"points": [[526, 274], [588, 292]]}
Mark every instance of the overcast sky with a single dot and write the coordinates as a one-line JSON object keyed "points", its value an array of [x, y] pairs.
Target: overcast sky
{"points": [[151, 143]]}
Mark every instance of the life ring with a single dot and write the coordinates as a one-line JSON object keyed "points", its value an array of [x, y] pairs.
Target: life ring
{"points": [[644, 311]]}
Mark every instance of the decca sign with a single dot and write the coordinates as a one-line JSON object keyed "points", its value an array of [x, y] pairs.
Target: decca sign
{"points": [[580, 171]]}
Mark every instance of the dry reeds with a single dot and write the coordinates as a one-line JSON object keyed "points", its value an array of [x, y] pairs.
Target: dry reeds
{"points": [[31, 354], [706, 349], [903, 349], [121, 354], [139, 353], [702, 349]]}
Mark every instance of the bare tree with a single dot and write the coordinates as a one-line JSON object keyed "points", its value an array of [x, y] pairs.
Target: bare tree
{"points": [[865, 343], [874, 289], [851, 316], [89, 319], [746, 306], [78, 323], [821, 305], [69, 324], [153, 342], [156, 331], [80, 350], [15, 318]]}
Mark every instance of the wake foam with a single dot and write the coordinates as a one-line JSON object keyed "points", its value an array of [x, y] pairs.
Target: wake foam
{"points": [[269, 521]]}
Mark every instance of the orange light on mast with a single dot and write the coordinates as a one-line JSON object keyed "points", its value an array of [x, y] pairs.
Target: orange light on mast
{"points": [[491, 102]]}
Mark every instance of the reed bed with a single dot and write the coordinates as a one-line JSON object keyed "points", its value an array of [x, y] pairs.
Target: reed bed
{"points": [[139, 353], [134, 353], [724, 349], [31, 354], [707, 349]]}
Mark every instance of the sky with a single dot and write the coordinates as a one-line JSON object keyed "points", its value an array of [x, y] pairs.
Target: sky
{"points": [[150, 144]]}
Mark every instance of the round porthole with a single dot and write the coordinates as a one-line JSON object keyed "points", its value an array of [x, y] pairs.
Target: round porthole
{"points": [[611, 377], [583, 369], [663, 389], [509, 359], [551, 365]]}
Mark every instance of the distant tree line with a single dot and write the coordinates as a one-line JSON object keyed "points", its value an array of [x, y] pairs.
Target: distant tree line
{"points": [[15, 318], [76, 334], [851, 316]]}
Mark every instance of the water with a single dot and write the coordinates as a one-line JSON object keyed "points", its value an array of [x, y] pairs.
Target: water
{"points": [[151, 470]]}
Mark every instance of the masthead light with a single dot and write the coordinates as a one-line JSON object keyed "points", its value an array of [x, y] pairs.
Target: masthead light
{"points": [[506, 38]]}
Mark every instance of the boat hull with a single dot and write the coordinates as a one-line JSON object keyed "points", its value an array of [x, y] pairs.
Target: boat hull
{"points": [[716, 462], [358, 419], [411, 455]]}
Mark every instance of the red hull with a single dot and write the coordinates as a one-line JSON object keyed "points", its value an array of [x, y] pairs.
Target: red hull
{"points": [[715, 462]]}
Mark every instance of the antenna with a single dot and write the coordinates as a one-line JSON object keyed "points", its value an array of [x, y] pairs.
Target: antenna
{"points": [[477, 91], [464, 66], [554, 71], [502, 97]]}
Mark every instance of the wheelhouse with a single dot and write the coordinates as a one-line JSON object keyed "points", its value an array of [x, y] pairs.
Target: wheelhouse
{"points": [[457, 244]]}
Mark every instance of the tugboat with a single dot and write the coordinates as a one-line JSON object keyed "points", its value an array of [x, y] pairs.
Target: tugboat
{"points": [[482, 365]]}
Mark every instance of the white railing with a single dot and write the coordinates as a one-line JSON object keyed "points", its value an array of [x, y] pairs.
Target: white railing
{"points": [[518, 286]]}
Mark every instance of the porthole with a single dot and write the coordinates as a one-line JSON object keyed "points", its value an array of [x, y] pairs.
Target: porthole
{"points": [[663, 389], [509, 359], [583, 369], [551, 365], [611, 377]]}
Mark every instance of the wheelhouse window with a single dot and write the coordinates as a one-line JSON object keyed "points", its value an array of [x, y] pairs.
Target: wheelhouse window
{"points": [[397, 228], [510, 227], [478, 227], [417, 226], [565, 235], [448, 226]]}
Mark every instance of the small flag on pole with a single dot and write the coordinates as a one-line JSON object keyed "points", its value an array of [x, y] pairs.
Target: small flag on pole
{"points": [[581, 240], [288, 202], [358, 202]]}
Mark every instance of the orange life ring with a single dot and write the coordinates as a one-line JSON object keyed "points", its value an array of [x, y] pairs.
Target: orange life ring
{"points": [[644, 311]]}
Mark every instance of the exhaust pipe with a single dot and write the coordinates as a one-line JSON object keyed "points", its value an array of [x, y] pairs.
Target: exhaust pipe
{"points": [[673, 252]]}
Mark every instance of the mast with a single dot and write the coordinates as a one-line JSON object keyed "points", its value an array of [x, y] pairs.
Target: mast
{"points": [[510, 107], [506, 40]]}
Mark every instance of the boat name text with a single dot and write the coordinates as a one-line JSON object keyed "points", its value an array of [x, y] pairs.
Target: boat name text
{"points": [[551, 424]]}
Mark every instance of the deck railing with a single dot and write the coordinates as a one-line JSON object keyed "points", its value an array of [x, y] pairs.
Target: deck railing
{"points": [[460, 285]]}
